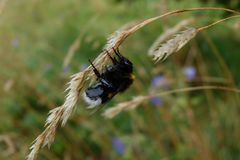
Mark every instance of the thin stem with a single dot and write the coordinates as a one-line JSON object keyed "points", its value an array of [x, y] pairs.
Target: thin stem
{"points": [[195, 89], [145, 22], [214, 23], [124, 106]]}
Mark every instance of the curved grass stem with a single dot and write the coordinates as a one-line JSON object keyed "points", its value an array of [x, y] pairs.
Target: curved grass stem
{"points": [[214, 23]]}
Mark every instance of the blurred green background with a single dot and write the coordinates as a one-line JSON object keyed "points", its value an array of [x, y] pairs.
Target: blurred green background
{"points": [[35, 37]]}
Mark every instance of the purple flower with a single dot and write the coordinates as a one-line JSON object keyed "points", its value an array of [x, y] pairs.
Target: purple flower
{"points": [[158, 80], [118, 145], [157, 101], [190, 72]]}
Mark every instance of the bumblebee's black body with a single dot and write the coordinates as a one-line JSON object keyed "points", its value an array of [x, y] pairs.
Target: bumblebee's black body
{"points": [[116, 78]]}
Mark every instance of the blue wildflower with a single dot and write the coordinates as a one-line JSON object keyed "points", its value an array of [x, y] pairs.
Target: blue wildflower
{"points": [[157, 101], [158, 80], [118, 145], [190, 72]]}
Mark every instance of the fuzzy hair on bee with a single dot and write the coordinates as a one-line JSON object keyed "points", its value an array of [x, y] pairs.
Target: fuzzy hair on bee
{"points": [[116, 78]]}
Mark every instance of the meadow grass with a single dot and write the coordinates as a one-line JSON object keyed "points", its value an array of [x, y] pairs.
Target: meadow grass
{"points": [[187, 125]]}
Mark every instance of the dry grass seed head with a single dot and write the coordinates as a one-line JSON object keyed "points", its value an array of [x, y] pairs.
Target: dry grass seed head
{"points": [[167, 34], [173, 45], [48, 135], [128, 105], [113, 39]]}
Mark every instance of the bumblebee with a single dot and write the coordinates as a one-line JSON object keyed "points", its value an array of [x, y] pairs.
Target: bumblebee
{"points": [[116, 78]]}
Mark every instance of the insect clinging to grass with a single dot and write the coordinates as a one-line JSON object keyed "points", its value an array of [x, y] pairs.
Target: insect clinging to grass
{"points": [[116, 78]]}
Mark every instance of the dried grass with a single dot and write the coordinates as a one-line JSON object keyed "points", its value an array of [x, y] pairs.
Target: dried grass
{"points": [[137, 101], [173, 45], [117, 35], [61, 114], [160, 51], [167, 35], [128, 105]]}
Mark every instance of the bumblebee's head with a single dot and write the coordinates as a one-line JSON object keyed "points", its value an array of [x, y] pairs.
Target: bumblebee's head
{"points": [[123, 63], [126, 65]]}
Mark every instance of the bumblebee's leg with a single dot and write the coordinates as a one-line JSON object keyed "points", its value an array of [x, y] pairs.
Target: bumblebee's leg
{"points": [[95, 69], [117, 53], [102, 80], [113, 59]]}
